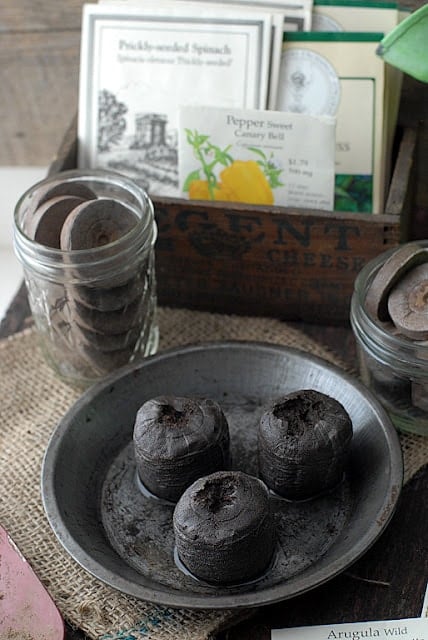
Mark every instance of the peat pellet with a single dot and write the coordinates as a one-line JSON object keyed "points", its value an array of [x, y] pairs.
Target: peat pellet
{"points": [[392, 270], [107, 322], [105, 342], [223, 528], [176, 440], [63, 188], [60, 188], [408, 303], [96, 223], [303, 444], [106, 361], [45, 223], [110, 298]]}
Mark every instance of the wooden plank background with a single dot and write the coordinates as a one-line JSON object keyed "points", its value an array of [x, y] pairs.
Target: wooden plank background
{"points": [[39, 70]]}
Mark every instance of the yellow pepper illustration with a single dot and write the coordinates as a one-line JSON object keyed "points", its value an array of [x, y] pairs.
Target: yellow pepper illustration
{"points": [[199, 190], [249, 181], [244, 181]]}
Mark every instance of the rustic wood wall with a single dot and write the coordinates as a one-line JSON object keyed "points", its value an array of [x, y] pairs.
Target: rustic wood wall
{"points": [[39, 68], [39, 62]]}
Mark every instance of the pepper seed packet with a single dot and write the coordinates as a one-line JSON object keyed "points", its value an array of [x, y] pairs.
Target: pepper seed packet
{"points": [[258, 157]]}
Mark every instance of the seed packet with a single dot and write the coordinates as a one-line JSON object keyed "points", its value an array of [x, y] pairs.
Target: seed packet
{"points": [[258, 157], [339, 74], [355, 15], [140, 63], [367, 17], [297, 13]]}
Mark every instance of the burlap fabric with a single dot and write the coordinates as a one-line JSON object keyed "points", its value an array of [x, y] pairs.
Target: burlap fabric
{"points": [[32, 402]]}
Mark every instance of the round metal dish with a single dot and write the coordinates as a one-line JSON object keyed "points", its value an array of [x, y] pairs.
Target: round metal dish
{"points": [[125, 538]]}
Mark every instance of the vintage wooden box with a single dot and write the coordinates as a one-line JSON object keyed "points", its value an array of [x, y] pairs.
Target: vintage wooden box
{"points": [[293, 264]]}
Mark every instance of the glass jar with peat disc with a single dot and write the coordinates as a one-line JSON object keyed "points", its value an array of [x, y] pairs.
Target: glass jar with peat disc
{"points": [[389, 318], [86, 242]]}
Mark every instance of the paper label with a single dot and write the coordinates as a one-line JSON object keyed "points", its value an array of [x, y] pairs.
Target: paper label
{"points": [[286, 159], [406, 629]]}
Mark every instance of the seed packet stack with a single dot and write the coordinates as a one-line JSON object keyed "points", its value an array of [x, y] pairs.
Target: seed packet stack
{"points": [[147, 64], [142, 60]]}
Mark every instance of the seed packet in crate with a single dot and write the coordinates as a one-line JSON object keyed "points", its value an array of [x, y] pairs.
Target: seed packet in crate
{"points": [[366, 16], [339, 74], [257, 157], [358, 15], [139, 63]]}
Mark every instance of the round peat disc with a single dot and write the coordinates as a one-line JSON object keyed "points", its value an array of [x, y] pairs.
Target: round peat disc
{"points": [[394, 268], [106, 361], [96, 223], [107, 342], [108, 322], [110, 298], [408, 303], [45, 223], [63, 188]]}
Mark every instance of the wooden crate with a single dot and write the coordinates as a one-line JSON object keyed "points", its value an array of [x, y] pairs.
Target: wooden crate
{"points": [[294, 264]]}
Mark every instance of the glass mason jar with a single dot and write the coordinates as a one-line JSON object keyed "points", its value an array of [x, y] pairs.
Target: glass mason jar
{"points": [[393, 366], [94, 307]]}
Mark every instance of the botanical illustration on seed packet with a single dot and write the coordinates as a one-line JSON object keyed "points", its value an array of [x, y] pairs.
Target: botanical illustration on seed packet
{"points": [[257, 157], [138, 64]]}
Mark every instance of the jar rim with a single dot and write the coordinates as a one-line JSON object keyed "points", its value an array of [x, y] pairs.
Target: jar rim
{"points": [[106, 260]]}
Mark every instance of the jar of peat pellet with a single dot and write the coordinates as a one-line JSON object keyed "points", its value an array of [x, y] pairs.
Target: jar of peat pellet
{"points": [[86, 242], [389, 318]]}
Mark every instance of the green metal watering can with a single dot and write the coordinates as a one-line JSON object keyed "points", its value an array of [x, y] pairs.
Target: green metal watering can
{"points": [[406, 46]]}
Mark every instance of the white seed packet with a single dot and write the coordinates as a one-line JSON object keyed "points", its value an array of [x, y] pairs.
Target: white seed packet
{"points": [[259, 157], [409, 628], [140, 63]]}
